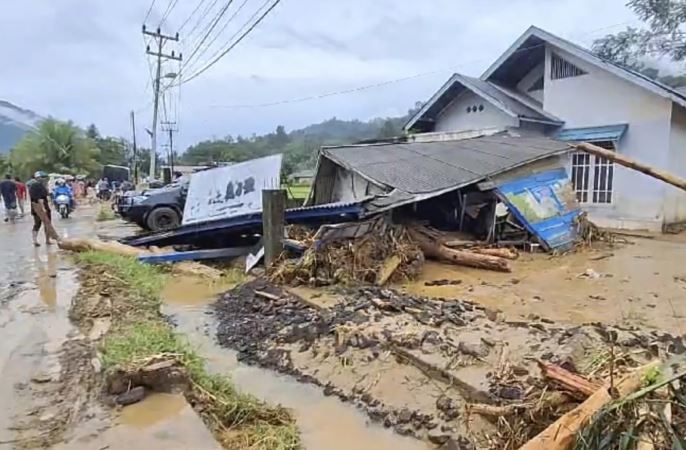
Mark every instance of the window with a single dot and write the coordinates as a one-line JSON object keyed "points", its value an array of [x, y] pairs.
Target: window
{"points": [[561, 68], [593, 176]]}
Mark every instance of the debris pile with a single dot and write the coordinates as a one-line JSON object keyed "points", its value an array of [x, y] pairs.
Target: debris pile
{"points": [[437, 369], [383, 253]]}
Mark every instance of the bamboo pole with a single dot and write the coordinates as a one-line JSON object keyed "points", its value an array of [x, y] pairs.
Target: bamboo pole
{"points": [[625, 161]]}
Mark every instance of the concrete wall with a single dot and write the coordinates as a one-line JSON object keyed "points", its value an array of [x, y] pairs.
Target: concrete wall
{"points": [[601, 98], [456, 118], [675, 199]]}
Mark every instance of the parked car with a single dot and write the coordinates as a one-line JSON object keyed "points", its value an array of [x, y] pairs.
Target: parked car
{"points": [[155, 209]]}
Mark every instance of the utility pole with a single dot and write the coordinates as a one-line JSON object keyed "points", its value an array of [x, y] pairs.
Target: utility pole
{"points": [[135, 150], [160, 39], [171, 128]]}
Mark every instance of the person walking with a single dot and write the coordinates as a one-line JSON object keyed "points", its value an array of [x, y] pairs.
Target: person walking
{"points": [[8, 191], [21, 195], [38, 193]]}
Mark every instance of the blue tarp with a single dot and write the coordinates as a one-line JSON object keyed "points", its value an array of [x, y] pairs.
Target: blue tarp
{"points": [[546, 205], [592, 134]]}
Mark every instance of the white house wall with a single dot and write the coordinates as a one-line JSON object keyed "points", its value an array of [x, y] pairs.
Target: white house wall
{"points": [[675, 199], [456, 118], [601, 98]]}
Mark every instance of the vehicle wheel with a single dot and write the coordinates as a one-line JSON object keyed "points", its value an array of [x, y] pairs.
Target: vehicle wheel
{"points": [[163, 218]]}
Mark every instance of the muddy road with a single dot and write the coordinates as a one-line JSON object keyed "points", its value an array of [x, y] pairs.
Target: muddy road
{"points": [[36, 287]]}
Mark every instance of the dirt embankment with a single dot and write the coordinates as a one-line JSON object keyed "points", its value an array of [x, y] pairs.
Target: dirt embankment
{"points": [[431, 368]]}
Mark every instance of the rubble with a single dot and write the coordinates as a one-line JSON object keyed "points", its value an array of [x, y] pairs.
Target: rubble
{"points": [[423, 366]]}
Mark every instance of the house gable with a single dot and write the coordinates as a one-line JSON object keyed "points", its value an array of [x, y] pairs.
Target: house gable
{"points": [[470, 111]]}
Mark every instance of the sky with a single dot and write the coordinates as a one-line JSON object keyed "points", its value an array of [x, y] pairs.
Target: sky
{"points": [[84, 60]]}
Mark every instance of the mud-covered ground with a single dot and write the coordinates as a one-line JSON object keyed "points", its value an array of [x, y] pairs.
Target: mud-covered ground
{"points": [[414, 363]]}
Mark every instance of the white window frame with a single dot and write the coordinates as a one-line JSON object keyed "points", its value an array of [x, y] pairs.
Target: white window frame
{"points": [[593, 164]]}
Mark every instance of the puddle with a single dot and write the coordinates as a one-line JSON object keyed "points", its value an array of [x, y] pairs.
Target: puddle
{"points": [[193, 291], [324, 422], [156, 407]]}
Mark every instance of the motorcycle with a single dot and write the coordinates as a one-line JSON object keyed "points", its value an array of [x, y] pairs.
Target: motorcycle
{"points": [[63, 203], [104, 195]]}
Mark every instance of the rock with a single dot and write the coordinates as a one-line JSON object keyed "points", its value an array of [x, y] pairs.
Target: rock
{"points": [[404, 430], [488, 341], [437, 436], [448, 407], [460, 443], [130, 397], [405, 416], [477, 351], [510, 392]]}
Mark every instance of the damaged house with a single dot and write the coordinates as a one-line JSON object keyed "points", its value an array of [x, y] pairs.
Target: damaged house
{"points": [[546, 86]]}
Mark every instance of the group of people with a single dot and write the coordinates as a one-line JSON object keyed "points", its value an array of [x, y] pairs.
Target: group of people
{"points": [[14, 194]]}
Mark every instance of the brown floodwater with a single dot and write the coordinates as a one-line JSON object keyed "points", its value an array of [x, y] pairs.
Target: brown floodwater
{"points": [[155, 408], [191, 291], [641, 284], [324, 422]]}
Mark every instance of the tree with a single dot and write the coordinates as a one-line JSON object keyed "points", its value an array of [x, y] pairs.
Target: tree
{"points": [[58, 147], [665, 36], [4, 165], [388, 130]]}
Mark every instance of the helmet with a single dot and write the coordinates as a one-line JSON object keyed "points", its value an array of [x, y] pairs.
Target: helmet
{"points": [[59, 182], [40, 174]]}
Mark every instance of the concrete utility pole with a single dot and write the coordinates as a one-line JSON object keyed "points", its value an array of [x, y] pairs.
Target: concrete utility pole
{"points": [[273, 211], [160, 39], [135, 150], [170, 127]]}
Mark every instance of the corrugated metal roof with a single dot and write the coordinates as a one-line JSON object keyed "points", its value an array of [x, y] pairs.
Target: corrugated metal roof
{"points": [[425, 167], [592, 134]]}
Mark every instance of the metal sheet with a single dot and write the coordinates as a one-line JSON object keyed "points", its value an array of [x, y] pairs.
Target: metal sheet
{"points": [[546, 205], [593, 134]]}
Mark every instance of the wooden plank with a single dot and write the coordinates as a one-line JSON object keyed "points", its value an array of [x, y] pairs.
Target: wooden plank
{"points": [[387, 269]]}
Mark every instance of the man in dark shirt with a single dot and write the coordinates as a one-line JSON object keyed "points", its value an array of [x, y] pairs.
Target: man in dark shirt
{"points": [[38, 193], [8, 190]]}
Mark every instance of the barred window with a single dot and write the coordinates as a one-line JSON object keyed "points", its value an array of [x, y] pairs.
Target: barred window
{"points": [[561, 68], [593, 176]]}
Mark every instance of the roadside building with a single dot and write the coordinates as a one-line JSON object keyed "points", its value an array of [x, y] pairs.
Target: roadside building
{"points": [[544, 85]]}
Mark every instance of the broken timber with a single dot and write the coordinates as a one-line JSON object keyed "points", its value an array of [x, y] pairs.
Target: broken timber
{"points": [[633, 164], [434, 249], [578, 385]]}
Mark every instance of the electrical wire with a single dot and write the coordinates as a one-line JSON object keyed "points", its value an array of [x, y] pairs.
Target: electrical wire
{"points": [[226, 24], [200, 19], [170, 8], [216, 20], [147, 14], [232, 46], [191, 15]]}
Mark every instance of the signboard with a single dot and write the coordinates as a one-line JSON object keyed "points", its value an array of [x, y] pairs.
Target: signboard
{"points": [[230, 191]]}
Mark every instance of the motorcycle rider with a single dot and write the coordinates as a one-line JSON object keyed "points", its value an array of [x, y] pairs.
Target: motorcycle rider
{"points": [[62, 188], [103, 187]]}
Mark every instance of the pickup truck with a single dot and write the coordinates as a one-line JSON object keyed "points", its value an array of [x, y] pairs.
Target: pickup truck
{"points": [[155, 209]]}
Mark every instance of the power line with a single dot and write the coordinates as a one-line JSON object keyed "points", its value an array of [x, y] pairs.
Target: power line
{"points": [[147, 14], [199, 21], [192, 13], [216, 20], [226, 24], [232, 46], [172, 4]]}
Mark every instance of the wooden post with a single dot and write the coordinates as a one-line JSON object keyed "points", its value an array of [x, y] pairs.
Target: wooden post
{"points": [[273, 208], [633, 164]]}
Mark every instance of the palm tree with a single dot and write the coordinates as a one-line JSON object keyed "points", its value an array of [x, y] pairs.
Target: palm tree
{"points": [[59, 147]]}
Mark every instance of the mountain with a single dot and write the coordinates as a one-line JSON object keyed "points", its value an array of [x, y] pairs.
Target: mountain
{"points": [[15, 122]]}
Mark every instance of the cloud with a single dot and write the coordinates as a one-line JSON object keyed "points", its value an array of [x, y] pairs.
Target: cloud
{"points": [[84, 60]]}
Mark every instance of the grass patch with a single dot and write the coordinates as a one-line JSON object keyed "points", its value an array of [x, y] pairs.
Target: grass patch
{"points": [[139, 332], [105, 213]]}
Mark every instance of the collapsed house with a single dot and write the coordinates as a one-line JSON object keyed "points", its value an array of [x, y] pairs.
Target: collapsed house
{"points": [[502, 188]]}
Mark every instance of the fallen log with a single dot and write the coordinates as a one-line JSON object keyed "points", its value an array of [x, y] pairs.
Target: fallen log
{"points": [[435, 250], [561, 434], [625, 161], [84, 245], [572, 382], [506, 253]]}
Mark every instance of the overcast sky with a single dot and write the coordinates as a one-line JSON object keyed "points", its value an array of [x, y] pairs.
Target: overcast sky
{"points": [[84, 60]]}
